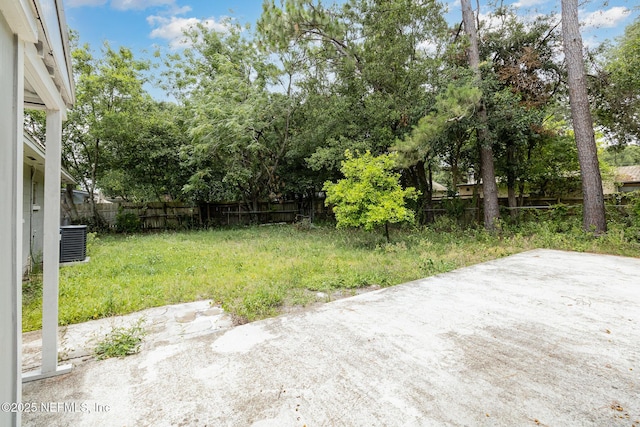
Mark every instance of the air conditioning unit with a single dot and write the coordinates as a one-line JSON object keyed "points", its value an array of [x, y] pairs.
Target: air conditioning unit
{"points": [[73, 243]]}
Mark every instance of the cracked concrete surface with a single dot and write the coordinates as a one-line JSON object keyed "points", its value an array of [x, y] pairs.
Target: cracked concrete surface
{"points": [[539, 338], [162, 326]]}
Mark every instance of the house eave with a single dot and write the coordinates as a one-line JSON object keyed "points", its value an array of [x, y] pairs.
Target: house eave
{"points": [[34, 155], [56, 54], [20, 19]]}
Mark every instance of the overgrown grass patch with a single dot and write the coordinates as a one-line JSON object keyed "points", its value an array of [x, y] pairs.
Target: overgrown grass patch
{"points": [[257, 272]]}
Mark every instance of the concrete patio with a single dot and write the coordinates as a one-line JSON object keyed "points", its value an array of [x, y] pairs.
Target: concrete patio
{"points": [[539, 338]]}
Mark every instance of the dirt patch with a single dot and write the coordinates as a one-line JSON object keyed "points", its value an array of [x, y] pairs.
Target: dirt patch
{"points": [[318, 298], [313, 299]]}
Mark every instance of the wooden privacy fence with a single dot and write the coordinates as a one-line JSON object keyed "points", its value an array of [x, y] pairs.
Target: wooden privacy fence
{"points": [[152, 216], [469, 210], [173, 215], [267, 212]]}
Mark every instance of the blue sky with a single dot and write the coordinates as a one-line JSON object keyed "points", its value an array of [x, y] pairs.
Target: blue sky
{"points": [[146, 25]]}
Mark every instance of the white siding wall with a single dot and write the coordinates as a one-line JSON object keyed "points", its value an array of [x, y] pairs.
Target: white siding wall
{"points": [[11, 90]]}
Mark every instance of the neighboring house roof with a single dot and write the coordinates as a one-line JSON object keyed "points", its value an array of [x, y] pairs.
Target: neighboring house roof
{"points": [[628, 174], [81, 196], [437, 186]]}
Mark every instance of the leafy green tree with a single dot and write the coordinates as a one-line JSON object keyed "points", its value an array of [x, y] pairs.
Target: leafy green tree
{"points": [[109, 91], [148, 167], [439, 138], [370, 195], [238, 127], [523, 55], [622, 155], [552, 163], [369, 71], [521, 76], [616, 87], [487, 169]]}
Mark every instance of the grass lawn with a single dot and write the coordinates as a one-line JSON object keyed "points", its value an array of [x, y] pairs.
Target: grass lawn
{"points": [[258, 272]]}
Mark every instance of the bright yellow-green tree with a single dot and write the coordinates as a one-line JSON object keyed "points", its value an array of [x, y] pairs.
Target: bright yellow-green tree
{"points": [[370, 194]]}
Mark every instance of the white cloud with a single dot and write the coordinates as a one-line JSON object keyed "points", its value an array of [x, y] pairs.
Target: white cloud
{"points": [[80, 3], [529, 3], [139, 4], [605, 18], [172, 28], [489, 21], [130, 4], [428, 46], [179, 10], [590, 42]]}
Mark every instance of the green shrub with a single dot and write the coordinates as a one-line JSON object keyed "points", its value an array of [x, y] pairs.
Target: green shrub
{"points": [[633, 232], [444, 223], [455, 207], [635, 209], [127, 222]]}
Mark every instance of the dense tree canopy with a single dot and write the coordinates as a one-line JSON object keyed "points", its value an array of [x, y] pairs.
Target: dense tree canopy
{"points": [[106, 115], [269, 113], [238, 128], [367, 70], [617, 85]]}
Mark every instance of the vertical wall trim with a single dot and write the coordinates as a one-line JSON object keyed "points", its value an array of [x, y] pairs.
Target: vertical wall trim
{"points": [[16, 214]]}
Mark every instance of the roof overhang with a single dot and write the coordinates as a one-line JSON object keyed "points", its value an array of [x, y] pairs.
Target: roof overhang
{"points": [[41, 91], [21, 20], [56, 53], [34, 156], [42, 26]]}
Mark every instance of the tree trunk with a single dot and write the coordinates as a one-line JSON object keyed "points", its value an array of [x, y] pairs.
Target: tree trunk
{"points": [[95, 214], [593, 198], [68, 196], [455, 176], [455, 169], [521, 192], [426, 195], [489, 187], [91, 187], [511, 179], [522, 180], [430, 215]]}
